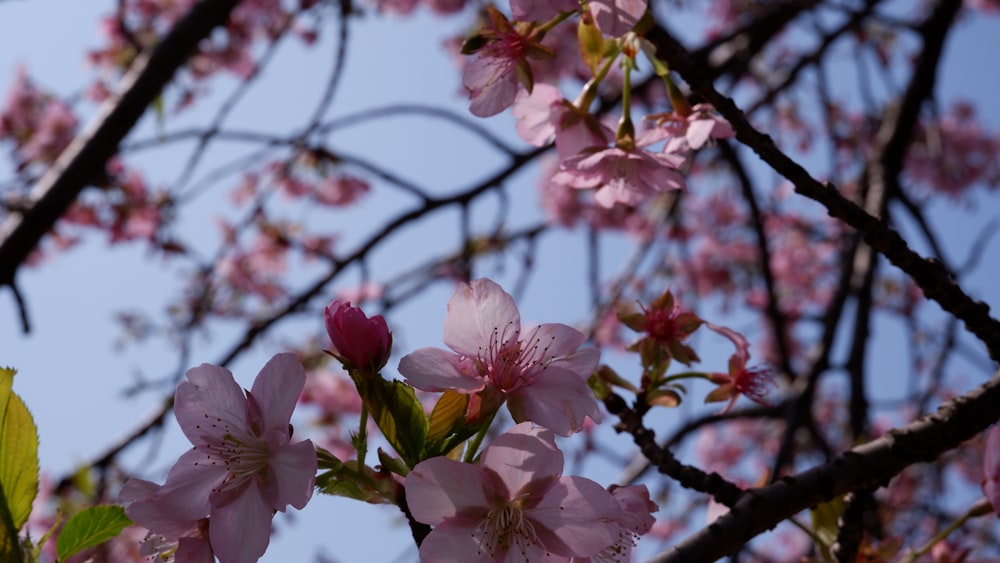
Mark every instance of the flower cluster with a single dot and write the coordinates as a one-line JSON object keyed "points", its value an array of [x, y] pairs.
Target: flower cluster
{"points": [[515, 505], [508, 70]]}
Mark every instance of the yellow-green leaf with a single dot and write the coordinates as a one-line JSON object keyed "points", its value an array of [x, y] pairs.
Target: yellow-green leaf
{"points": [[449, 410], [591, 42], [18, 454], [89, 527]]}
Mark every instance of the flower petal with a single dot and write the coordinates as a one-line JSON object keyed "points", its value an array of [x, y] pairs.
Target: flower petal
{"points": [[576, 517], [208, 397], [240, 529], [189, 484], [277, 389], [291, 475], [457, 540], [440, 489], [558, 400], [555, 339], [524, 459], [433, 369], [478, 313]]}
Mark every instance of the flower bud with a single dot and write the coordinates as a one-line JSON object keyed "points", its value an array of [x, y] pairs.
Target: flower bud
{"points": [[358, 342]]}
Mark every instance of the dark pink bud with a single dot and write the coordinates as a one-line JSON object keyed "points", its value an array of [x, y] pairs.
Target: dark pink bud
{"points": [[358, 341]]}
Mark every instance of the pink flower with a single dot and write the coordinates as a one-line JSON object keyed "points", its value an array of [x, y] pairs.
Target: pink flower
{"points": [[492, 78], [991, 468], [512, 506], [693, 128], [539, 371], [619, 175], [545, 113], [360, 342], [243, 466], [753, 382]]}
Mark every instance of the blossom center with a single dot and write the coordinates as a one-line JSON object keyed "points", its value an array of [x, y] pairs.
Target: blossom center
{"points": [[506, 528], [244, 455], [511, 363]]}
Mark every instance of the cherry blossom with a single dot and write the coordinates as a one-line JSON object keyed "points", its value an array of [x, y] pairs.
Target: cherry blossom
{"points": [[539, 371], [544, 113], [511, 506], [690, 129], [361, 342], [501, 63], [753, 382], [243, 466], [621, 175]]}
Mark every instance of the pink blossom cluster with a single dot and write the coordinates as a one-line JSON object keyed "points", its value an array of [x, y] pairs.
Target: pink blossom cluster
{"points": [[954, 153], [138, 24], [620, 167], [38, 124]]}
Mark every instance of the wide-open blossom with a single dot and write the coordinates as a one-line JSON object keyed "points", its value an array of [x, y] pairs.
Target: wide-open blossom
{"points": [[628, 176], [753, 382], [539, 371], [243, 466], [364, 343], [511, 506]]}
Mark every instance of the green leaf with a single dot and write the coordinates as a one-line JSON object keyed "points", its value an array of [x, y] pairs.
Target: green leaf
{"points": [[591, 41], [825, 527], [89, 527], [399, 415], [18, 455], [448, 412]]}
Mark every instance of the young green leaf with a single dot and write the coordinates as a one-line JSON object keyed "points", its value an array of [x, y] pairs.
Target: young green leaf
{"points": [[89, 527], [18, 454], [399, 415]]}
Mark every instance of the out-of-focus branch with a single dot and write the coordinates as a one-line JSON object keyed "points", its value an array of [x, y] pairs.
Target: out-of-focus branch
{"points": [[84, 160], [867, 466]]}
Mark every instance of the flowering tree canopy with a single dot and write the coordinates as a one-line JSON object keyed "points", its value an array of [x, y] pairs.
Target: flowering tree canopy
{"points": [[690, 257]]}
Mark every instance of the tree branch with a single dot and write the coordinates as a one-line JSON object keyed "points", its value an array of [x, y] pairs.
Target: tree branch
{"points": [[84, 159], [867, 466]]}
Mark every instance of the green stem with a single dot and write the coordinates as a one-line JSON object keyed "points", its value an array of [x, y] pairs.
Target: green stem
{"points": [[589, 92], [625, 136], [362, 446], [472, 449], [980, 508]]}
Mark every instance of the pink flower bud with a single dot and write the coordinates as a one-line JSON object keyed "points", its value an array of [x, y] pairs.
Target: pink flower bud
{"points": [[358, 342]]}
